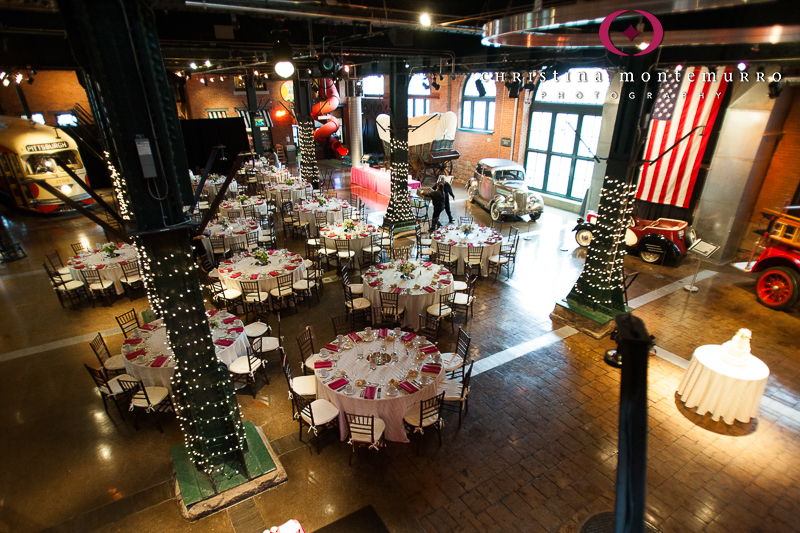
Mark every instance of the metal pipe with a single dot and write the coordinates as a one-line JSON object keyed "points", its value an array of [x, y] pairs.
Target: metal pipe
{"points": [[325, 16]]}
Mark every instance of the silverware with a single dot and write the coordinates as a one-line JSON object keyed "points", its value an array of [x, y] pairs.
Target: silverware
{"points": [[379, 393]]}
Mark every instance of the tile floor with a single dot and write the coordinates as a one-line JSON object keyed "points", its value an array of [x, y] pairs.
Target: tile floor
{"points": [[537, 451]]}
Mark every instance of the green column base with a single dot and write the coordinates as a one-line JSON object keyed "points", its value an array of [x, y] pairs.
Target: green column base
{"points": [[196, 486]]}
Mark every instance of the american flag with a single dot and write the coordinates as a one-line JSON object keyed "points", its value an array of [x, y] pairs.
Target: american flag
{"points": [[684, 102]]}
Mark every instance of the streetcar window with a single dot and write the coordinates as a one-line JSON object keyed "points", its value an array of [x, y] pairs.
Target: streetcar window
{"points": [[38, 118], [45, 163], [67, 119]]}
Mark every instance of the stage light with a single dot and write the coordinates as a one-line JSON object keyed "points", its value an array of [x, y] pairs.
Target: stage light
{"points": [[3, 75], [742, 66], [480, 87], [329, 65], [18, 78], [202, 80], [193, 64], [282, 55], [211, 80], [678, 68], [425, 19], [513, 88], [255, 73], [6, 82], [435, 85], [643, 45], [207, 63], [347, 68], [179, 73]]}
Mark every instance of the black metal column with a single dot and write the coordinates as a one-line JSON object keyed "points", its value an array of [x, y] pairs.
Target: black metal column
{"points": [[252, 109]]}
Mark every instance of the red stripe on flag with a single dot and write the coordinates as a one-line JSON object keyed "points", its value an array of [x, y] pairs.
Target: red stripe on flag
{"points": [[679, 179], [687, 104], [654, 181], [706, 134]]}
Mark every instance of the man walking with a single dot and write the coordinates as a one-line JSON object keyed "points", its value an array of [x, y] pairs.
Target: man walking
{"points": [[447, 192], [437, 197]]}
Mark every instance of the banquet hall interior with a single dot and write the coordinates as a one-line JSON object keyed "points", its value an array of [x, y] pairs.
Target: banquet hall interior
{"points": [[468, 266]]}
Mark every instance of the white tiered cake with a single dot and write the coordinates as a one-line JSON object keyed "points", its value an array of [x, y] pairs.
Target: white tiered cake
{"points": [[738, 348]]}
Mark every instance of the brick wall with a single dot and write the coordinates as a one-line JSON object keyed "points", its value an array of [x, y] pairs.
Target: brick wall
{"points": [[783, 178], [52, 91]]}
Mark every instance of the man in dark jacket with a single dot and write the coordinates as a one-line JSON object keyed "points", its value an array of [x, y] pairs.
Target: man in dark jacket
{"points": [[447, 192], [437, 197]]}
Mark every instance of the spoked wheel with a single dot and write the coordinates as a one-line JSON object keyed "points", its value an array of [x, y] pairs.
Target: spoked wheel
{"points": [[650, 257], [471, 194], [777, 288], [583, 237], [496, 211]]}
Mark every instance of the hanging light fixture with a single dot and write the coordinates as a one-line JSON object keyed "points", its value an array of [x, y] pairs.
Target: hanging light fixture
{"points": [[480, 87], [207, 63], [282, 55], [193, 65]]}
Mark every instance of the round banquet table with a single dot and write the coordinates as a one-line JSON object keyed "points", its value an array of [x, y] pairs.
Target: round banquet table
{"points": [[109, 267], [332, 209], [213, 183], [359, 238], [299, 189], [484, 237], [388, 408], [248, 268], [727, 391], [155, 345], [236, 208], [415, 300], [235, 232]]}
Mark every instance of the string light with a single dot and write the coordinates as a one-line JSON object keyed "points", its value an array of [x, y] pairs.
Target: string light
{"points": [[399, 209], [120, 188], [308, 154]]}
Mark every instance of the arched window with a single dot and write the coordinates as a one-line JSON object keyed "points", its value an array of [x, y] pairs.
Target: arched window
{"points": [[372, 86], [418, 106], [564, 132], [477, 107]]}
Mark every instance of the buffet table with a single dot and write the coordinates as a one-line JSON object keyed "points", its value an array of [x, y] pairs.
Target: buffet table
{"points": [[148, 357], [460, 243], [360, 390], [109, 267], [413, 297], [727, 391], [376, 180]]}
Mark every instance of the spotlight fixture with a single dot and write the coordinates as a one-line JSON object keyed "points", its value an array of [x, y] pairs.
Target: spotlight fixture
{"points": [[435, 85], [530, 86], [202, 80], [3, 75], [678, 68], [347, 68], [513, 88], [193, 65], [742, 66], [255, 73], [211, 80], [30, 80], [480, 87], [18, 78], [643, 45], [6, 82], [282, 55], [188, 75], [207, 63], [407, 65], [222, 78], [266, 76], [329, 65], [178, 73], [425, 19]]}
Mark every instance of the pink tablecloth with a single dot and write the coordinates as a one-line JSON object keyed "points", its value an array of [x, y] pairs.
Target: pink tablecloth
{"points": [[376, 180]]}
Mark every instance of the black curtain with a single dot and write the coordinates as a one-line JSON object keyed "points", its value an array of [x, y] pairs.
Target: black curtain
{"points": [[201, 135], [370, 109]]}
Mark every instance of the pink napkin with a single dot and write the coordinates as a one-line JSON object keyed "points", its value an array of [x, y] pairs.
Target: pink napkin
{"points": [[355, 337], [229, 261], [338, 384], [123, 263], [159, 361], [427, 264], [429, 289], [290, 267], [432, 369], [408, 387], [437, 238], [76, 257], [100, 267], [453, 243], [398, 290], [234, 276], [95, 251], [270, 252], [80, 266], [364, 234], [224, 342], [348, 237], [374, 283], [212, 312], [369, 393], [409, 337], [230, 320], [445, 281], [274, 274], [443, 272], [323, 364], [291, 253], [132, 341], [149, 327], [297, 260], [429, 349], [470, 244], [253, 276], [332, 347], [382, 333], [241, 232], [236, 330], [134, 355], [380, 267], [370, 273]]}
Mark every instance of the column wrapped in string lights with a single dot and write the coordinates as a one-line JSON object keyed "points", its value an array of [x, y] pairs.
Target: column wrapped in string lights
{"points": [[308, 152], [205, 402], [600, 285], [120, 188], [399, 210]]}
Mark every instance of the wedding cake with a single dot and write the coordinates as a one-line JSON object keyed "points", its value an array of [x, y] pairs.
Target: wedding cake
{"points": [[737, 348]]}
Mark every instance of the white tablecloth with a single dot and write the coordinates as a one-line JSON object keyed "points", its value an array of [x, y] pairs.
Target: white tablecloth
{"points": [[416, 301], [478, 237], [212, 185], [299, 189], [155, 342], [724, 390], [389, 409], [359, 238], [228, 207], [332, 209], [110, 269], [249, 266], [236, 232]]}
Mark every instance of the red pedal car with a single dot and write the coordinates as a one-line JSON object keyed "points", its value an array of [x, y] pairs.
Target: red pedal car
{"points": [[655, 240]]}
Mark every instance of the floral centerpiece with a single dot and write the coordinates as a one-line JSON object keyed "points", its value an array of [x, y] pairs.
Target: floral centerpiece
{"points": [[321, 201], [263, 258], [349, 225], [273, 168], [109, 248], [224, 222], [406, 268], [289, 181], [242, 199], [466, 229]]}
